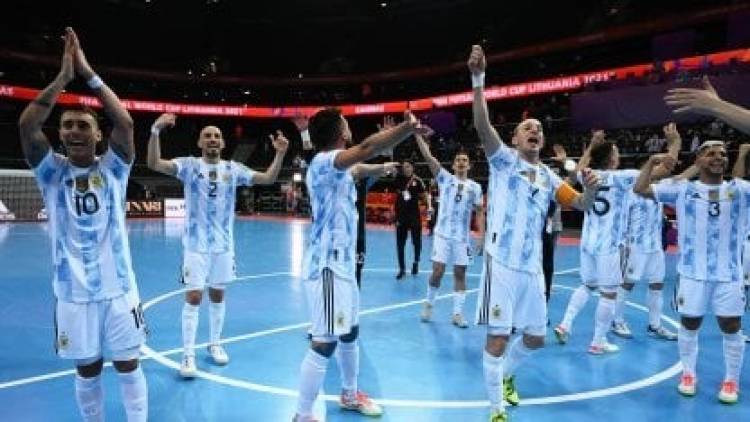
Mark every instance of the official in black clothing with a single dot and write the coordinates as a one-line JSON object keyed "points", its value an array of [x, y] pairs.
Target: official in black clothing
{"points": [[410, 190]]}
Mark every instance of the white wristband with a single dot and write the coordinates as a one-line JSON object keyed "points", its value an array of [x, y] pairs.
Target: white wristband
{"points": [[305, 135], [477, 81], [95, 82], [155, 131]]}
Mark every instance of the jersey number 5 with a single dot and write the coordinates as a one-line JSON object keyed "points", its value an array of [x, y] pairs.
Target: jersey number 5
{"points": [[601, 205]]}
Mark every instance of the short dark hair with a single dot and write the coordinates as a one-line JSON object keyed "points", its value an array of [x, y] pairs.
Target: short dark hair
{"points": [[462, 152], [325, 127], [82, 109], [600, 155]]}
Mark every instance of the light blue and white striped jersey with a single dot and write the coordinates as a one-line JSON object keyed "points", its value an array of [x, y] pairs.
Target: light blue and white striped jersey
{"points": [[711, 224], [458, 198], [210, 196], [86, 211], [605, 223], [645, 220], [333, 235], [517, 209]]}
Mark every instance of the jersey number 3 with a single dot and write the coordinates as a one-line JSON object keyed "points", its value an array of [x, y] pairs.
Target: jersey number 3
{"points": [[714, 209]]}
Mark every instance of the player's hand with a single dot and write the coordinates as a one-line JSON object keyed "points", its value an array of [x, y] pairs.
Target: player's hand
{"points": [[165, 120], [590, 179], [597, 138], [670, 133], [696, 100], [388, 123], [279, 142], [560, 154], [67, 71], [477, 62], [301, 122], [82, 66]]}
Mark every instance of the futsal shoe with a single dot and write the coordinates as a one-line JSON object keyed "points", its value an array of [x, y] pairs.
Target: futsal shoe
{"points": [[603, 349], [400, 274], [510, 394], [426, 314], [187, 368], [218, 354], [415, 268], [686, 387], [621, 329], [562, 334], [360, 402], [499, 417], [661, 333], [729, 393], [459, 321]]}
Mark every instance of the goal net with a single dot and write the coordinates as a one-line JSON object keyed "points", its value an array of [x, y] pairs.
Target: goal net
{"points": [[20, 199]]}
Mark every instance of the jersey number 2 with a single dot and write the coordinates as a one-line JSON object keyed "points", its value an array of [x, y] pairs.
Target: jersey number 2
{"points": [[212, 186]]}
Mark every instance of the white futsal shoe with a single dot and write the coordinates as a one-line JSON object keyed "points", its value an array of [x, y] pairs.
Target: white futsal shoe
{"points": [[187, 368], [603, 349], [218, 354]]}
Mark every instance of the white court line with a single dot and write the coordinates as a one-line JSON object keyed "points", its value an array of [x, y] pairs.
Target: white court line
{"points": [[160, 357]]}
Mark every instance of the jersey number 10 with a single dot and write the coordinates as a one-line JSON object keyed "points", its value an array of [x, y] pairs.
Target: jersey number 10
{"points": [[86, 203]]}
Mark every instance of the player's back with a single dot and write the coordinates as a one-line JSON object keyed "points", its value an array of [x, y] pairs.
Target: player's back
{"points": [[605, 223]]}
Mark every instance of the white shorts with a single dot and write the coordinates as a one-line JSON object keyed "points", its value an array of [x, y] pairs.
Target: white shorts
{"points": [[84, 331], [334, 305], [510, 298], [199, 269], [601, 270], [447, 251], [648, 267], [694, 296]]}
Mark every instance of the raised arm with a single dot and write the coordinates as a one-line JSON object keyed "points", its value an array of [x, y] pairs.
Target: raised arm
{"points": [[121, 138], [153, 159], [378, 142], [707, 102], [739, 166], [689, 173], [584, 201], [643, 183], [432, 162], [33, 140], [597, 137], [361, 170], [487, 134], [674, 143], [280, 144]]}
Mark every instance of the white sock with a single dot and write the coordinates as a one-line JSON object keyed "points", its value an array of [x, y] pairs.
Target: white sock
{"points": [[90, 398], [605, 312], [431, 293], [687, 343], [493, 380], [577, 301], [622, 295], [459, 298], [189, 327], [518, 353], [347, 357], [312, 373], [734, 350], [216, 312], [134, 395], [655, 301]]}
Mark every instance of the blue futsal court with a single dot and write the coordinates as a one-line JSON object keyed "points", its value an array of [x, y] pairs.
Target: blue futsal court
{"points": [[418, 371]]}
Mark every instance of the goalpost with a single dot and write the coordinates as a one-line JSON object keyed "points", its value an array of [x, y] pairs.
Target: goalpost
{"points": [[20, 198]]}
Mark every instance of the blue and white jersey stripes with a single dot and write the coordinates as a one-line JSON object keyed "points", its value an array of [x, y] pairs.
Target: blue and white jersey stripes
{"points": [[645, 220], [605, 223], [519, 196], [333, 235], [210, 196], [86, 210], [712, 222], [458, 198]]}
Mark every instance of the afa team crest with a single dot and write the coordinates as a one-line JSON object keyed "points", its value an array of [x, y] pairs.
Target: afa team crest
{"points": [[63, 341], [340, 319], [496, 312], [95, 180]]}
